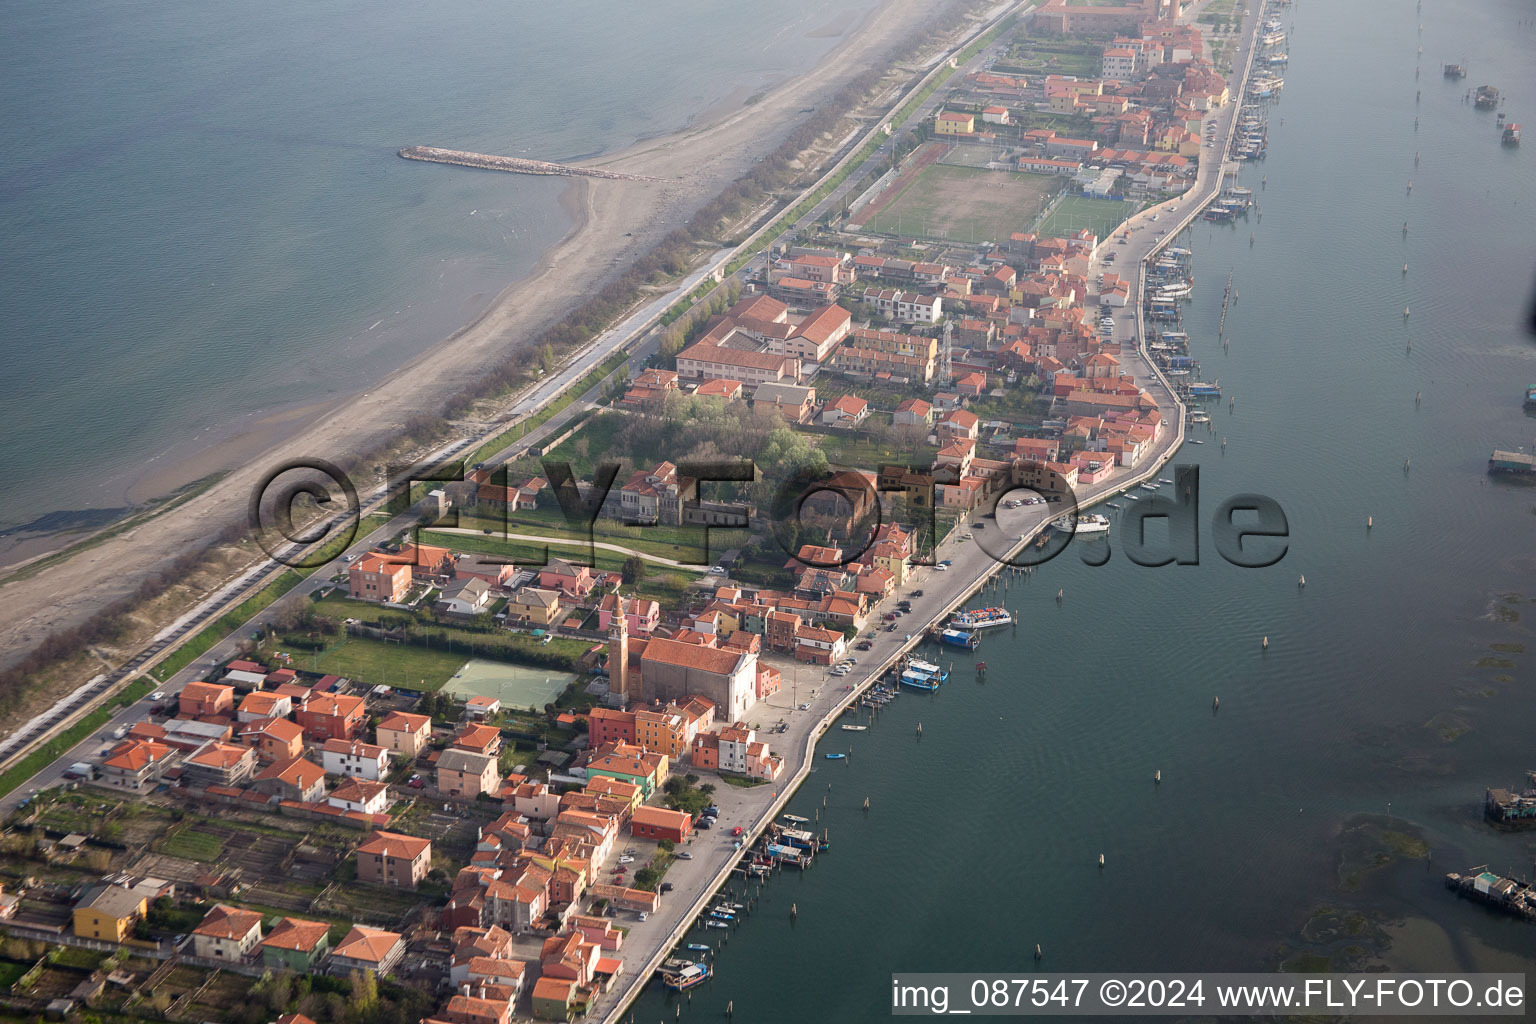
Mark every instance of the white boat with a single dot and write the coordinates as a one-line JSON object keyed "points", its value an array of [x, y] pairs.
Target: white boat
{"points": [[1149, 486], [1090, 522], [855, 728]]}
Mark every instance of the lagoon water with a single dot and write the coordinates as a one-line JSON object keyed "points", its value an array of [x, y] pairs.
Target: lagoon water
{"points": [[205, 219], [1382, 685]]}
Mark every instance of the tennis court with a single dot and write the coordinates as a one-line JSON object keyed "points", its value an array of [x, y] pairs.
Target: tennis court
{"points": [[516, 686]]}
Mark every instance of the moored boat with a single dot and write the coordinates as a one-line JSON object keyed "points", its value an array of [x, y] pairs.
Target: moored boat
{"points": [[982, 618], [958, 638], [680, 975]]}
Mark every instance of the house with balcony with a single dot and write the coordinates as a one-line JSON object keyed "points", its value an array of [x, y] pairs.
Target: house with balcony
{"points": [[205, 700], [227, 933], [136, 765], [573, 582], [389, 858], [354, 757], [403, 733], [360, 795], [295, 945], [274, 739], [366, 949], [325, 716], [216, 763], [299, 779], [464, 774], [264, 704]]}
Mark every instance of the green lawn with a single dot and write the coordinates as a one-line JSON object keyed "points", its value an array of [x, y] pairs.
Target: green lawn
{"points": [[193, 846], [679, 543], [966, 204], [869, 454], [1074, 213], [382, 663]]}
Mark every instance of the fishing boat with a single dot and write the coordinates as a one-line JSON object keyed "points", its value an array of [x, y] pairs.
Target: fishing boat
{"points": [[1486, 97], [918, 681], [1200, 389], [959, 638], [855, 728], [836, 757], [680, 975], [1511, 135], [981, 618], [1084, 524]]}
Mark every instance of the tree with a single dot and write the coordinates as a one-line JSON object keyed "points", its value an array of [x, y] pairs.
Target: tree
{"points": [[666, 846], [633, 570], [365, 991]]}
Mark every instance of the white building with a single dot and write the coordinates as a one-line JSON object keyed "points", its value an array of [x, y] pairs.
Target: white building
{"points": [[355, 758]]}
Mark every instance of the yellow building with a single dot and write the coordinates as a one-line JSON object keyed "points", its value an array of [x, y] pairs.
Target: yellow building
{"points": [[109, 913], [533, 606], [950, 123], [662, 731]]}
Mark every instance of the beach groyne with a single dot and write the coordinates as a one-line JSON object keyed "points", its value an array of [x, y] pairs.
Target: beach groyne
{"points": [[512, 164]]}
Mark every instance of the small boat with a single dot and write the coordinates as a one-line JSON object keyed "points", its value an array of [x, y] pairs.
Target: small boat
{"points": [[1193, 441], [958, 638], [715, 924], [981, 666], [855, 728], [1164, 480], [794, 819], [836, 757], [699, 947], [680, 975], [1128, 496], [1149, 486], [1110, 504]]}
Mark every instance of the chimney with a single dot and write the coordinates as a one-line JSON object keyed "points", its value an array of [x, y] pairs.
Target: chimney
{"points": [[464, 990]]}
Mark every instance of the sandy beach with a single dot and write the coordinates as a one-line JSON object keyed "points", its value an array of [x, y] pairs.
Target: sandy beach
{"points": [[610, 219]]}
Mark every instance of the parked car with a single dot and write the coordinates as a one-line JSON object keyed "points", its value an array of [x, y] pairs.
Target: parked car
{"points": [[684, 855], [863, 645], [889, 616], [626, 860], [917, 593], [704, 824], [941, 567], [805, 707], [157, 696], [738, 830], [644, 915], [666, 886]]}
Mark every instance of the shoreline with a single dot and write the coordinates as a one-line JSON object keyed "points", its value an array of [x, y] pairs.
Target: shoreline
{"points": [[621, 220], [263, 431]]}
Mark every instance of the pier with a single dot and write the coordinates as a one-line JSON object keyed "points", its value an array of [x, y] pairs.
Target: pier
{"points": [[1501, 893], [512, 164]]}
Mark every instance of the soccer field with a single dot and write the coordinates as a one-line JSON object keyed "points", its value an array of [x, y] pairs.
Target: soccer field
{"points": [[1074, 213], [966, 204]]}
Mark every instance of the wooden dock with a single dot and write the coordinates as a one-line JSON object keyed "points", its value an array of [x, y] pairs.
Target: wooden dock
{"points": [[512, 164]]}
